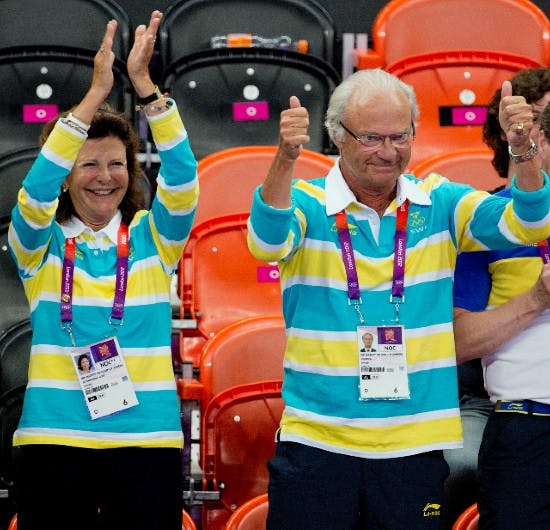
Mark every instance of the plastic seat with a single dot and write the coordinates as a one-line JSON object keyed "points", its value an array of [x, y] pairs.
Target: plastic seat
{"points": [[513, 26], [468, 520], [234, 96], [14, 165], [467, 166], [15, 350], [251, 515], [228, 178], [37, 84], [189, 25], [238, 439], [187, 522], [74, 26], [14, 307], [245, 351], [220, 282], [453, 90]]}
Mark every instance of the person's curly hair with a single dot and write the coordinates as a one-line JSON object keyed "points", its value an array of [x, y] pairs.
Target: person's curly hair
{"points": [[108, 122], [532, 84]]}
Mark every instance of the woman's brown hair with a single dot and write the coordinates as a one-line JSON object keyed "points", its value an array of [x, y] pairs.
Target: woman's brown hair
{"points": [[108, 122]]}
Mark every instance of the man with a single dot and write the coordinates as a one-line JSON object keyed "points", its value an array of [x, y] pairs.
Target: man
{"points": [[511, 340], [371, 454], [367, 339], [461, 487]]}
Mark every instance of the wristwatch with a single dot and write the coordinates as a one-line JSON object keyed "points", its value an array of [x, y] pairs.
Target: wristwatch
{"points": [[141, 102], [528, 155]]}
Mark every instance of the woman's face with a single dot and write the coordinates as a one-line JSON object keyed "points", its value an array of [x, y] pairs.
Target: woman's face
{"points": [[85, 364], [99, 180]]}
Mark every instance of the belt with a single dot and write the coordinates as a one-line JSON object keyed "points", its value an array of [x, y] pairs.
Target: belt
{"points": [[532, 408]]}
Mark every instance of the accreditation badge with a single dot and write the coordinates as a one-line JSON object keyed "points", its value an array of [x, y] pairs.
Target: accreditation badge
{"points": [[104, 378], [382, 357]]}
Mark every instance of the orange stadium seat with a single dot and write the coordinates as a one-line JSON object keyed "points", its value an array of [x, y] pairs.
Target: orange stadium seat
{"points": [[412, 27], [468, 519], [467, 166], [251, 515], [220, 282], [237, 441], [453, 90], [228, 177], [245, 351]]}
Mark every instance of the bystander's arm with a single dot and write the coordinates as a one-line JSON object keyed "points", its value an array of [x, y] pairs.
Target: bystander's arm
{"points": [[480, 333]]}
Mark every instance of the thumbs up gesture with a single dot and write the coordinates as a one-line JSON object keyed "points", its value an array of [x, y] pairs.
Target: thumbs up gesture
{"points": [[293, 129], [516, 119]]}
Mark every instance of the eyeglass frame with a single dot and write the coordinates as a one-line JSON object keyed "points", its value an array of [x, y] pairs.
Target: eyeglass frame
{"points": [[357, 138]]}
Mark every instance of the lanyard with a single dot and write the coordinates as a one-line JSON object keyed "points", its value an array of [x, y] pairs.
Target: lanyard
{"points": [[398, 281], [117, 311], [544, 250]]}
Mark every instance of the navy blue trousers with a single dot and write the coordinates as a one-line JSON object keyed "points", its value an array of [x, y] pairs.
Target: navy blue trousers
{"points": [[313, 489], [514, 472]]}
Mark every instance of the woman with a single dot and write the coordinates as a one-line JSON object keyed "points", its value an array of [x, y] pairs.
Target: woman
{"points": [[97, 273], [84, 364]]}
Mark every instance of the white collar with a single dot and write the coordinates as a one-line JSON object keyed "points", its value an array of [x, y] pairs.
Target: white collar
{"points": [[75, 227], [338, 195]]}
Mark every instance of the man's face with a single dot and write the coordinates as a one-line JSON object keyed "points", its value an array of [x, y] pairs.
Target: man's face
{"points": [[367, 340], [375, 170]]}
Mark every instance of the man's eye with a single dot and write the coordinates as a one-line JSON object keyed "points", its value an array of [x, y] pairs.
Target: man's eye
{"points": [[372, 138]]}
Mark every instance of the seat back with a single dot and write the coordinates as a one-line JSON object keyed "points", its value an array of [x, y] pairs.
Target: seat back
{"points": [[468, 520], [187, 522], [453, 90], [14, 307], [235, 96], [14, 165], [36, 85], [514, 26], [245, 351], [251, 515], [238, 439], [220, 281], [189, 25], [75, 26], [468, 166], [15, 350], [228, 178]]}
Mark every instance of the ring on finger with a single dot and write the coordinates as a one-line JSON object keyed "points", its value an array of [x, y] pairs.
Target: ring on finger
{"points": [[519, 127]]}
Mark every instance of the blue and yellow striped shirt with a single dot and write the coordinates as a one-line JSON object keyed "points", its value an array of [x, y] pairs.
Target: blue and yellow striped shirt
{"points": [[54, 410], [321, 361]]}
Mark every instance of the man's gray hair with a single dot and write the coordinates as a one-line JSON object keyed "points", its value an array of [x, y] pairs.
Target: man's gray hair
{"points": [[376, 81]]}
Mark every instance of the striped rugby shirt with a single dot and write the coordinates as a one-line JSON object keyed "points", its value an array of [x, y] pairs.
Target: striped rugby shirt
{"points": [[321, 361], [54, 410]]}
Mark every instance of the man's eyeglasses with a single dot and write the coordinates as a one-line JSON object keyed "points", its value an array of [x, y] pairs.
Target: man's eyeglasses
{"points": [[375, 141]]}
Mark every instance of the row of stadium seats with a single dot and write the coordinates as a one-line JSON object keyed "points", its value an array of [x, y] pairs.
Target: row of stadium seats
{"points": [[232, 93], [231, 332]]}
